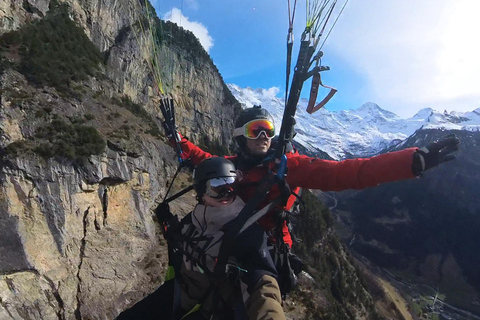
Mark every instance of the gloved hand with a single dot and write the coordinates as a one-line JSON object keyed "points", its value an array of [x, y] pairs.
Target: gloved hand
{"points": [[163, 212], [434, 153], [169, 133]]}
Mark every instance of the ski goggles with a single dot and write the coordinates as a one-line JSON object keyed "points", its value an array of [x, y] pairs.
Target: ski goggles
{"points": [[253, 129], [219, 188]]}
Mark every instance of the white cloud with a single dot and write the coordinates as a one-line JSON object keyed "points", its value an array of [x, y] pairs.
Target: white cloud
{"points": [[198, 29], [414, 53]]}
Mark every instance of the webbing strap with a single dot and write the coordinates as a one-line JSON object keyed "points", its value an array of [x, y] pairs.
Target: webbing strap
{"points": [[254, 218], [233, 227], [316, 82], [171, 184], [180, 193]]}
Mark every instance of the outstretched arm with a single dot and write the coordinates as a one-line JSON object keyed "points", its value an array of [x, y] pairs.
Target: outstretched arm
{"points": [[328, 175], [361, 173]]}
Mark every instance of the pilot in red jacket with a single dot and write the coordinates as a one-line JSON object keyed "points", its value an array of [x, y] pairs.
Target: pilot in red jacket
{"points": [[254, 132]]}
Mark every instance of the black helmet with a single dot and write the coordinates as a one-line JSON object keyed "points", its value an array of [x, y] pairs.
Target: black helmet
{"points": [[249, 114], [254, 113], [211, 168]]}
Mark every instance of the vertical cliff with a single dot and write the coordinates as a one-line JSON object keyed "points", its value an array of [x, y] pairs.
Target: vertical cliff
{"points": [[78, 235]]}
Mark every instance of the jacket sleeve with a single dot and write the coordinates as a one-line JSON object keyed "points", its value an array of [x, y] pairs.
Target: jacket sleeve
{"points": [[191, 151], [328, 175]]}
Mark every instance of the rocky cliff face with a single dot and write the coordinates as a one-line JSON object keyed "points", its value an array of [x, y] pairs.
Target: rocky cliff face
{"points": [[78, 238], [75, 242], [111, 25]]}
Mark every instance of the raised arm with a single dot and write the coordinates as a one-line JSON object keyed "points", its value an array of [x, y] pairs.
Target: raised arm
{"points": [[193, 152]]}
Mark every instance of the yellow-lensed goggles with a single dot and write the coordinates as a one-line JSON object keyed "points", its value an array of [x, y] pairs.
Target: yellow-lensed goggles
{"points": [[253, 129]]}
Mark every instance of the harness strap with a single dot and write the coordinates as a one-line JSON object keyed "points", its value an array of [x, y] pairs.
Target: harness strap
{"points": [[254, 218], [316, 81], [178, 194]]}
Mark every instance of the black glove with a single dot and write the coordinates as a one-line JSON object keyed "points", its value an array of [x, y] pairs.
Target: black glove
{"points": [[168, 131], [163, 213], [434, 153]]}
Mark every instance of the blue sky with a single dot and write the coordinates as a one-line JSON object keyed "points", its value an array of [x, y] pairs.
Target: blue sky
{"points": [[403, 55]]}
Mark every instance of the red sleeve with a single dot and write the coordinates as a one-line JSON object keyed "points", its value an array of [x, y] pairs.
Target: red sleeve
{"points": [[328, 175], [193, 152]]}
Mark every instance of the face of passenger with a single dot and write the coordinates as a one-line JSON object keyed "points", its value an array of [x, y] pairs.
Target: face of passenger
{"points": [[218, 203], [219, 192], [259, 146]]}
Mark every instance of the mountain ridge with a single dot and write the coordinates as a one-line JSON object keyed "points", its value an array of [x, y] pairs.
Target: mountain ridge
{"points": [[361, 132]]}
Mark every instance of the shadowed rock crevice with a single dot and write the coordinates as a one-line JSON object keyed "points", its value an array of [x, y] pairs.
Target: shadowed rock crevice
{"points": [[31, 9], [112, 181], [83, 244], [61, 305], [105, 205], [52, 208], [12, 253], [4, 306]]}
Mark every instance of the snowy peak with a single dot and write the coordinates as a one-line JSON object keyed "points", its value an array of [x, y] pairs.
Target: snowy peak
{"points": [[361, 132], [431, 116], [249, 97], [423, 114], [373, 110]]}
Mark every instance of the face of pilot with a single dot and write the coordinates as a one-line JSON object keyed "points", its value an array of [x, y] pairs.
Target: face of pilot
{"points": [[218, 203], [259, 146]]}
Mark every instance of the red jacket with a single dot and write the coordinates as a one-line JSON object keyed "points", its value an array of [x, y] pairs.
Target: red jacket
{"points": [[312, 173]]}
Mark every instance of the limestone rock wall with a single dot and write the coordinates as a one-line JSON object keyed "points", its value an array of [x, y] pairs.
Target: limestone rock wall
{"points": [[196, 85], [77, 244], [80, 242]]}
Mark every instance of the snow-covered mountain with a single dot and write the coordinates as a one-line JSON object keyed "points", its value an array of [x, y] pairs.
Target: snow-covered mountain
{"points": [[354, 133]]}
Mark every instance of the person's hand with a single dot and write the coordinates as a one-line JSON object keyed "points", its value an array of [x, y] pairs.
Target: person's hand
{"points": [[434, 153], [163, 213], [169, 133]]}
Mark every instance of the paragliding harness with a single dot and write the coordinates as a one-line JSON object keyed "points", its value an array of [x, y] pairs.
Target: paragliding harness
{"points": [[225, 306], [287, 204], [288, 264]]}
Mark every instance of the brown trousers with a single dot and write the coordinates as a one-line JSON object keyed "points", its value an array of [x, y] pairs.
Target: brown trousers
{"points": [[265, 302]]}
